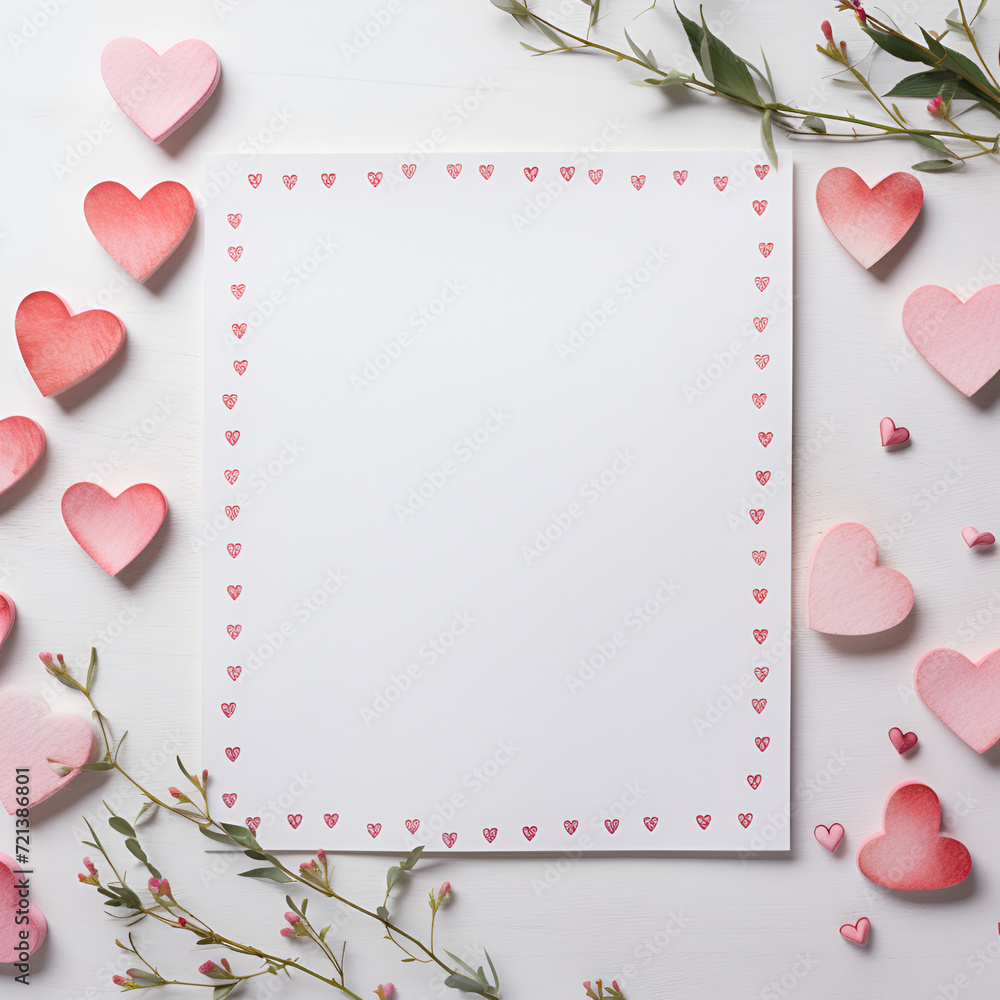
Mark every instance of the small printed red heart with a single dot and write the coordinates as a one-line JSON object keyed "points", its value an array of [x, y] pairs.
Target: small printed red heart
{"points": [[763, 742], [232, 752], [234, 671], [59, 349], [753, 780], [490, 833], [22, 442], [232, 436], [413, 825], [228, 707], [761, 170], [139, 233], [239, 329], [571, 825], [762, 360], [294, 819], [857, 933], [486, 169], [232, 475], [229, 798], [611, 825], [409, 169], [759, 555], [890, 433], [232, 511], [638, 180], [234, 591], [650, 822], [567, 173], [289, 180], [680, 176], [759, 704], [240, 367], [238, 290], [236, 252], [720, 182], [761, 283], [254, 180], [703, 821], [234, 630], [454, 169], [765, 249], [449, 839], [529, 832], [328, 179], [235, 220], [374, 178], [972, 536], [595, 176], [746, 819], [765, 437], [374, 829], [253, 822], [829, 836], [331, 819], [759, 399], [761, 323], [234, 549], [759, 595], [757, 516], [902, 741], [760, 634], [761, 673], [763, 477], [531, 173], [759, 207]]}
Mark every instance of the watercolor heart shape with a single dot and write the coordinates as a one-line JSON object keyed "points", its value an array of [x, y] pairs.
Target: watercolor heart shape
{"points": [[113, 530], [31, 736], [761, 360], [765, 437], [650, 822], [571, 825], [329, 179], [229, 799], [412, 825], [374, 829], [868, 222], [409, 169], [765, 249], [902, 741], [638, 180], [961, 341], [490, 833], [486, 169], [829, 836], [964, 695], [289, 180], [235, 252], [294, 819], [759, 399], [763, 475], [760, 594], [374, 178], [760, 207], [239, 329], [232, 753], [234, 549], [611, 825], [255, 180], [235, 219], [567, 173], [449, 839], [529, 832], [234, 592], [759, 555], [720, 182], [234, 631], [595, 176], [531, 173], [703, 821], [159, 92], [753, 780], [139, 233], [8, 612], [232, 511], [760, 634], [972, 536], [22, 442], [238, 290], [232, 437], [761, 323], [60, 349], [759, 704], [909, 852], [847, 592], [454, 169], [746, 819], [757, 515], [234, 671], [761, 283], [761, 673], [680, 176], [22, 931], [232, 475], [331, 819], [763, 742], [857, 933], [253, 823], [240, 367], [890, 433], [761, 170], [228, 707]]}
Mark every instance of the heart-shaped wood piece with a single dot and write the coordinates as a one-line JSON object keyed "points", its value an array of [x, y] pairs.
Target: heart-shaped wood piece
{"points": [[31, 736], [847, 592], [8, 612], [909, 851], [973, 536], [868, 222], [159, 93], [829, 836], [857, 933], [60, 349], [139, 233], [961, 341], [964, 695], [22, 442], [113, 530], [21, 930]]}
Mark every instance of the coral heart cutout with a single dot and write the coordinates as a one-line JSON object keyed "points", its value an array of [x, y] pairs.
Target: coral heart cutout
{"points": [[16, 936], [113, 530], [31, 736], [964, 695], [159, 93], [868, 222], [22, 442], [139, 233], [909, 852], [847, 592], [961, 341], [60, 349]]}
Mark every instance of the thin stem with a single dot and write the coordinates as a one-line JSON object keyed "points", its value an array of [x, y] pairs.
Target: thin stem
{"points": [[975, 44]]}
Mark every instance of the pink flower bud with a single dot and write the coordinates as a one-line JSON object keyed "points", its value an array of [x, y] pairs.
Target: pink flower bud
{"points": [[292, 918], [59, 657], [614, 985], [843, 47], [119, 980], [827, 31], [387, 990], [308, 866], [226, 965], [81, 876], [586, 984], [175, 792], [287, 932], [204, 776], [859, 12], [321, 854], [182, 921], [46, 658], [444, 892], [164, 887], [207, 968], [934, 105], [89, 865], [154, 886]]}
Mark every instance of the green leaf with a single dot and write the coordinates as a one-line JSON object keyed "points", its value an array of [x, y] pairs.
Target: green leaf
{"points": [[135, 848], [66, 681], [639, 54], [960, 64], [92, 668], [129, 898], [551, 35], [770, 81], [465, 984], [932, 83], [937, 166], [223, 990], [144, 976], [412, 858], [383, 914], [731, 74], [241, 835], [274, 874], [146, 806], [496, 978], [814, 123], [220, 838], [982, 6], [765, 130], [324, 931], [931, 142], [392, 876], [97, 765], [121, 826], [511, 7], [259, 856], [896, 45]]}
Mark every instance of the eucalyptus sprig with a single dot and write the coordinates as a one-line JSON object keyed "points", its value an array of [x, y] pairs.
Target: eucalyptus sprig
{"points": [[951, 76]]}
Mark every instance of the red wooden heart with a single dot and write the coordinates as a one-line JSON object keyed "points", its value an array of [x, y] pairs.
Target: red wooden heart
{"points": [[8, 612], [22, 442]]}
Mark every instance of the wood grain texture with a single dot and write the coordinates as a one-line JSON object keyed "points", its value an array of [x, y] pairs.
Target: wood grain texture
{"points": [[964, 695], [22, 442]]}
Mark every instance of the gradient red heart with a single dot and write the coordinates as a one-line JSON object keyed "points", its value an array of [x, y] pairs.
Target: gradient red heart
{"points": [[703, 821], [232, 753], [22, 924], [680, 176], [857, 933], [962, 694], [902, 741], [22, 442], [229, 799], [253, 822], [890, 433]]}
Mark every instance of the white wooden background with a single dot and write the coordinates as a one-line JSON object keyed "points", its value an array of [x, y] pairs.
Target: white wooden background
{"points": [[450, 73]]}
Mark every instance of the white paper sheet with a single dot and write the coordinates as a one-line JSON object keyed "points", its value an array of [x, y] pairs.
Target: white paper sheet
{"points": [[502, 493]]}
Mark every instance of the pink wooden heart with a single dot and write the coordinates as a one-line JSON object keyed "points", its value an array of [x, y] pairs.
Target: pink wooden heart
{"points": [[891, 434], [60, 349], [31, 736], [159, 93], [847, 592], [857, 933], [868, 222], [964, 695], [113, 530], [973, 536], [961, 341], [8, 612], [22, 442], [17, 936], [909, 852], [902, 741], [139, 233], [829, 836]]}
